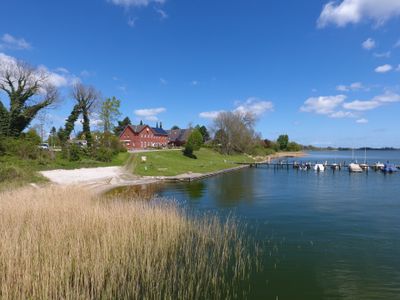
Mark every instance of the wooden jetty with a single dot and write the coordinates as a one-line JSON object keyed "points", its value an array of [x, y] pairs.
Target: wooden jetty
{"points": [[310, 165]]}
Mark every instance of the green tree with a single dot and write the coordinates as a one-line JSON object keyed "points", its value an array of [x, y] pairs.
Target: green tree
{"points": [[32, 136], [29, 91], [175, 127], [292, 146], [194, 143], [65, 133], [53, 138], [283, 141], [195, 139], [204, 132], [109, 113], [4, 120], [121, 126]]}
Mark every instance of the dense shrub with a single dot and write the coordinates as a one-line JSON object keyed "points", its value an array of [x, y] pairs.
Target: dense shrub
{"points": [[104, 154], [116, 145], [22, 148], [292, 146], [2, 145], [31, 136], [9, 173], [75, 152], [188, 151]]}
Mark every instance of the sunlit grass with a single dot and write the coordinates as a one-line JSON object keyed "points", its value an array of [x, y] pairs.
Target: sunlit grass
{"points": [[171, 163], [59, 243]]}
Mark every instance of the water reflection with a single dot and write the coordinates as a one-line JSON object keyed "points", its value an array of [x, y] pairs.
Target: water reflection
{"points": [[136, 192], [195, 190], [229, 191]]}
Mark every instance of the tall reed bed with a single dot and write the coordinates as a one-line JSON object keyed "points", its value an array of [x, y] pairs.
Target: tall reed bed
{"points": [[65, 243]]}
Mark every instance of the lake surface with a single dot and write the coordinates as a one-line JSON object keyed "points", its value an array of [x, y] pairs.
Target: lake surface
{"points": [[331, 235]]}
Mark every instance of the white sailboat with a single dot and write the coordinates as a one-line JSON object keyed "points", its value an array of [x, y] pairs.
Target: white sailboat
{"points": [[354, 167], [365, 166], [319, 168]]}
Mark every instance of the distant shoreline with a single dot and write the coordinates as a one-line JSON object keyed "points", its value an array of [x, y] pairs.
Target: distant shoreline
{"points": [[356, 149]]}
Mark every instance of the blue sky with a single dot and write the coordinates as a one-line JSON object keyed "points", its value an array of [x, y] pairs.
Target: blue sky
{"points": [[326, 73]]}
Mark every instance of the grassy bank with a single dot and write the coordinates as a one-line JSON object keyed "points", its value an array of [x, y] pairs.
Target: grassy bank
{"points": [[16, 172], [172, 163], [54, 246]]}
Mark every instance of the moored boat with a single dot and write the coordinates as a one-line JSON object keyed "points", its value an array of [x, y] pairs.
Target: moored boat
{"points": [[355, 168], [335, 166], [319, 168], [389, 168], [378, 166]]}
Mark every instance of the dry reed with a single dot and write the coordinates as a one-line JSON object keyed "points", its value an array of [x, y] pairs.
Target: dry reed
{"points": [[65, 243]]}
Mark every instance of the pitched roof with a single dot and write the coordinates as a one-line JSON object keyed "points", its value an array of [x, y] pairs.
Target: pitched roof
{"points": [[179, 135], [159, 131], [137, 128]]}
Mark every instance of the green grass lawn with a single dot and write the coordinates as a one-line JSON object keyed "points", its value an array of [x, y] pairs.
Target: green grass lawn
{"points": [[173, 162]]}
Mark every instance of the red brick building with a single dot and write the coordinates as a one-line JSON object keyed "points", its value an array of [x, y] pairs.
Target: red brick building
{"points": [[143, 136]]}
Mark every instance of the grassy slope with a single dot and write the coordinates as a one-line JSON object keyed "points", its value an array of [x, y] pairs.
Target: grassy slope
{"points": [[171, 163], [27, 170]]}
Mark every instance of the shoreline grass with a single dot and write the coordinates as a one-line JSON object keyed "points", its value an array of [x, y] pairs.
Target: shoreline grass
{"points": [[67, 243]]}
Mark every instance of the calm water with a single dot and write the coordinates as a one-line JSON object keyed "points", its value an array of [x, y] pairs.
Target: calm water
{"points": [[327, 235]]}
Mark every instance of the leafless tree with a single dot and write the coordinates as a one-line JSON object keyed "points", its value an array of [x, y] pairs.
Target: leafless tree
{"points": [[234, 131], [29, 91]]}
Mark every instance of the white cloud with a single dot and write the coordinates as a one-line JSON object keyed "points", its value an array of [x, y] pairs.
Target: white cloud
{"points": [[362, 121], [388, 97], [57, 78], [342, 114], [362, 105], [352, 87], [210, 114], [135, 3], [149, 114], [355, 11], [377, 101], [323, 105], [386, 54], [383, 69], [369, 44], [255, 106], [11, 42]]}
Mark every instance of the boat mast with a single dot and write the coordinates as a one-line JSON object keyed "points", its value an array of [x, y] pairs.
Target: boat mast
{"points": [[365, 156]]}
